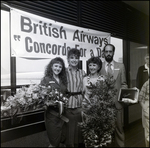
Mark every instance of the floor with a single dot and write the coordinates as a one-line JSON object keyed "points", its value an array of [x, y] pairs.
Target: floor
{"points": [[134, 137]]}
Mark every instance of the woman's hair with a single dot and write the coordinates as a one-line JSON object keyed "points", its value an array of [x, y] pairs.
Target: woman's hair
{"points": [[95, 60], [62, 75], [73, 51]]}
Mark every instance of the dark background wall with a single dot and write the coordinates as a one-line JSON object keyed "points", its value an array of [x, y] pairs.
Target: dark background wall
{"points": [[114, 17]]}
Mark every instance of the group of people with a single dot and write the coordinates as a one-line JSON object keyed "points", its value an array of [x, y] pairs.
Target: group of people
{"points": [[72, 81]]}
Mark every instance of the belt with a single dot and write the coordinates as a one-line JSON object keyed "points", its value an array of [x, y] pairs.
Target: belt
{"points": [[58, 115], [73, 93]]}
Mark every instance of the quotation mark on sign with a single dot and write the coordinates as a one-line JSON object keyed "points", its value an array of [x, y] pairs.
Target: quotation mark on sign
{"points": [[17, 37]]}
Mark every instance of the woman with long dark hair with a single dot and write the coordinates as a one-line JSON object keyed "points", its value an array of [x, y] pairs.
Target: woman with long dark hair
{"points": [[55, 77]]}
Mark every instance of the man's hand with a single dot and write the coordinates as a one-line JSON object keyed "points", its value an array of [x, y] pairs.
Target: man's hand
{"points": [[128, 100]]}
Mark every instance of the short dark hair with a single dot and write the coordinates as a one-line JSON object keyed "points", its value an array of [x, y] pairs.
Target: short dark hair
{"points": [[109, 45], [95, 60], [73, 51]]}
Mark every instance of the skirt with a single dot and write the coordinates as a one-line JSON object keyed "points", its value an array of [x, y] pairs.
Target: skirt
{"points": [[56, 129], [73, 131]]}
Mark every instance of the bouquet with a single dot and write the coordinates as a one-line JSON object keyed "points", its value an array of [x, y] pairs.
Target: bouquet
{"points": [[32, 97], [99, 116], [24, 98], [52, 97]]}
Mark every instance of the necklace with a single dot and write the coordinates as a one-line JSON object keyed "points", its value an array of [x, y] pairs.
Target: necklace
{"points": [[99, 78], [89, 77]]}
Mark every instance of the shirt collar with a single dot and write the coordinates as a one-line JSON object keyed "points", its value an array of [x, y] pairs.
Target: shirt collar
{"points": [[146, 67], [70, 68], [112, 63]]}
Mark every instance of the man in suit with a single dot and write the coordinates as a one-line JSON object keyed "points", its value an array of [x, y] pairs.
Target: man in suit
{"points": [[142, 74], [117, 70]]}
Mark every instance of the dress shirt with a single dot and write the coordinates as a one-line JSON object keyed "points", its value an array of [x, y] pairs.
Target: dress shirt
{"points": [[112, 65], [146, 67]]}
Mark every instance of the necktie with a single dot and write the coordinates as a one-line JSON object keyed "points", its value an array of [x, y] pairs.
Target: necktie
{"points": [[109, 70]]}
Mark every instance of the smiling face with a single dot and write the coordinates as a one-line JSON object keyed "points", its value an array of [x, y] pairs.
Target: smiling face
{"points": [[57, 68], [93, 68], [73, 60]]}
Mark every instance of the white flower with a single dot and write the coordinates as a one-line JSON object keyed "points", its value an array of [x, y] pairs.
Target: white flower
{"points": [[35, 96], [28, 95], [10, 98], [43, 92], [61, 95], [22, 101], [49, 86], [101, 78], [3, 108], [20, 94], [56, 92], [29, 100], [7, 104]]}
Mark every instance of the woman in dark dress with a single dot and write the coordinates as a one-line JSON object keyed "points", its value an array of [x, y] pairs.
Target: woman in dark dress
{"points": [[55, 76]]}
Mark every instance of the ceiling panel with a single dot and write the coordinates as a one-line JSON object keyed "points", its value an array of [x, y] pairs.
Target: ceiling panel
{"points": [[142, 6]]}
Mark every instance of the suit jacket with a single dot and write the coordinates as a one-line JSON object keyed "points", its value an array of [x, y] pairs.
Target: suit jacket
{"points": [[142, 76], [120, 79]]}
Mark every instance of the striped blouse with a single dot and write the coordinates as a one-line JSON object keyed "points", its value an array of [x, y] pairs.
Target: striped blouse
{"points": [[144, 93], [75, 84]]}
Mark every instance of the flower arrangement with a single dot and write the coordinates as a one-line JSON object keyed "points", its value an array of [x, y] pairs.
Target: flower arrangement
{"points": [[32, 97], [99, 113]]}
